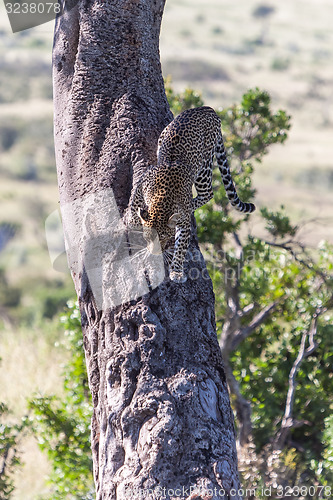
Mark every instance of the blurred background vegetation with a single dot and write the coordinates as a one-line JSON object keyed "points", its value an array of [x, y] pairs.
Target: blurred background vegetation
{"points": [[220, 49]]}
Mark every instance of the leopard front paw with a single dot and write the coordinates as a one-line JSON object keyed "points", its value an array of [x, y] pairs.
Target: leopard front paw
{"points": [[178, 277]]}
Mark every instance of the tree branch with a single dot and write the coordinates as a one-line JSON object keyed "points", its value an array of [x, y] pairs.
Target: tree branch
{"points": [[288, 422], [258, 319], [309, 264], [242, 406]]}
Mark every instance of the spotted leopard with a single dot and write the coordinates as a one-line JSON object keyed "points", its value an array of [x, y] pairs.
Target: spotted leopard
{"points": [[162, 201]]}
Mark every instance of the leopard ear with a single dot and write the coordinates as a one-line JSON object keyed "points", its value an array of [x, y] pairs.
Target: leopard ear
{"points": [[143, 214], [172, 222]]}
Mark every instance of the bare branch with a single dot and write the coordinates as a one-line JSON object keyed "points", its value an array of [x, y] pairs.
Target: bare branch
{"points": [[258, 319], [247, 309], [322, 221], [242, 406], [239, 244], [288, 422], [242, 313], [309, 264]]}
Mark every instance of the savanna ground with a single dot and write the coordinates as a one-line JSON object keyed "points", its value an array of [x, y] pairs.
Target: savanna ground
{"points": [[220, 48]]}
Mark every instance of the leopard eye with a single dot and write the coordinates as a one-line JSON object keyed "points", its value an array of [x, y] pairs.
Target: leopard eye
{"points": [[143, 214]]}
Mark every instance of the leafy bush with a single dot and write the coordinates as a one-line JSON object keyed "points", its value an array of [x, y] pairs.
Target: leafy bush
{"points": [[10, 435], [62, 425], [327, 464], [185, 100]]}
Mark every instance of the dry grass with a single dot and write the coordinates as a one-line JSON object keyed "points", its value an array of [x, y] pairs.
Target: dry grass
{"points": [[25, 365], [29, 364], [38, 108], [30, 481]]}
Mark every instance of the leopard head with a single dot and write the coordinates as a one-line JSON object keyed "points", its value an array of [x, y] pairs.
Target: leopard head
{"points": [[158, 229]]}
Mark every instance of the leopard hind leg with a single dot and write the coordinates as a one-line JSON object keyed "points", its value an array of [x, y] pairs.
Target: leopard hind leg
{"points": [[203, 185]]}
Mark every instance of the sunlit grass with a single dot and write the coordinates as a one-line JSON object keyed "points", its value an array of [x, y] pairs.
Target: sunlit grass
{"points": [[30, 363]]}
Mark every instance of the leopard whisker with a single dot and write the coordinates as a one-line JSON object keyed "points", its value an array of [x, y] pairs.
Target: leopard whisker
{"points": [[143, 253], [136, 231], [168, 255], [133, 246]]}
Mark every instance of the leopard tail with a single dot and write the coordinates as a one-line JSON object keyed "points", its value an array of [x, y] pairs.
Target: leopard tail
{"points": [[222, 161]]}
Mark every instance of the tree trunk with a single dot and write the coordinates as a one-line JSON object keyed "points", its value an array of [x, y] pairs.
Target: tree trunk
{"points": [[162, 421]]}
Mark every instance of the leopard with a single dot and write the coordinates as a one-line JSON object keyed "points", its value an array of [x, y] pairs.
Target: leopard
{"points": [[162, 202]]}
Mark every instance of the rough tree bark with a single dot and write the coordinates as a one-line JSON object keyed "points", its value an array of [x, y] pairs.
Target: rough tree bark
{"points": [[162, 417]]}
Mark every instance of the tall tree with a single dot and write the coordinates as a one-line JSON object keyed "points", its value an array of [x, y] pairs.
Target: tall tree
{"points": [[162, 416]]}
